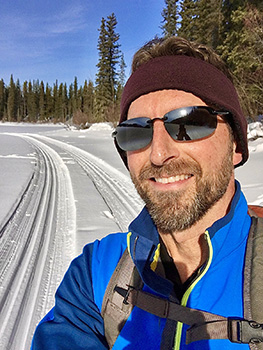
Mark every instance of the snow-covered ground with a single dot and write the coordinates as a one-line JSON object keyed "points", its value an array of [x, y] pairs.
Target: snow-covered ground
{"points": [[94, 197]]}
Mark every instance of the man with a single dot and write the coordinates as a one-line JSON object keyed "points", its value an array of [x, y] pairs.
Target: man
{"points": [[181, 134]]}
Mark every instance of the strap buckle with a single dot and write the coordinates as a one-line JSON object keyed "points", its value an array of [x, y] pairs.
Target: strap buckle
{"points": [[245, 332], [123, 292]]}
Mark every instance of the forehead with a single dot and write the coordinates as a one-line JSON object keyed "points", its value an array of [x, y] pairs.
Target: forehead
{"points": [[158, 103]]}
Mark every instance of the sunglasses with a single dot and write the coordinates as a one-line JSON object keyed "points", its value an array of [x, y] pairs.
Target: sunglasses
{"points": [[182, 124]]}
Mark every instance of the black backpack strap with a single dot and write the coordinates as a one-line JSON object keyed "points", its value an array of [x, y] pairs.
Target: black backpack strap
{"points": [[115, 310]]}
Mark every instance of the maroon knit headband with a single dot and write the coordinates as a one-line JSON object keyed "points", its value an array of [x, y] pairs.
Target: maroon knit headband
{"points": [[191, 75]]}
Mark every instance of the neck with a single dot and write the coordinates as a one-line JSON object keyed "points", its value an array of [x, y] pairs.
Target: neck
{"points": [[188, 255], [188, 248]]}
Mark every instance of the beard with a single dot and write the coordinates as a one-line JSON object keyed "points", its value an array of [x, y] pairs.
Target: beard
{"points": [[174, 211]]}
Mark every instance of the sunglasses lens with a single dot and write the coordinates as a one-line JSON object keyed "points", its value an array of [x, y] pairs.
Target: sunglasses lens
{"points": [[134, 134], [190, 123], [182, 124]]}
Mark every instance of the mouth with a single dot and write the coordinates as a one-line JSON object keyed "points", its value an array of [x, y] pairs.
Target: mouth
{"points": [[172, 179]]}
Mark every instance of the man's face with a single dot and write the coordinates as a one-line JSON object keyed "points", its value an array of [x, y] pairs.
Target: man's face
{"points": [[179, 181]]}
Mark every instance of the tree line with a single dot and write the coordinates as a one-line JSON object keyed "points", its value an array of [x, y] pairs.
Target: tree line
{"points": [[234, 28], [33, 101]]}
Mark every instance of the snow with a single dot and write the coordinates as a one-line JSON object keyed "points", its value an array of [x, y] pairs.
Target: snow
{"points": [[255, 130], [250, 174], [17, 161], [91, 167]]}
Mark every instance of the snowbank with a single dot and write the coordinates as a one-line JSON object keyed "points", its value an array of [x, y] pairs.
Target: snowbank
{"points": [[255, 130], [101, 126]]}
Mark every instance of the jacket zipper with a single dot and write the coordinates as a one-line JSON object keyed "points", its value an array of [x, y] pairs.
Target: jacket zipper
{"points": [[179, 328]]}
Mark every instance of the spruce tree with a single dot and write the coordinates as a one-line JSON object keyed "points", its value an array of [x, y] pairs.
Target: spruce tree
{"points": [[36, 94], [88, 97], [49, 103], [19, 113], [65, 102], [70, 101], [122, 76], [242, 49], [75, 97], [113, 54], [60, 107], [170, 18], [25, 100], [188, 23], [103, 90], [11, 102], [208, 22], [55, 102], [42, 102], [107, 76], [2, 98], [31, 104]]}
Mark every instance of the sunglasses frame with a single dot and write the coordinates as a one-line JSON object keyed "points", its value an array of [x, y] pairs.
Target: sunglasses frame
{"points": [[149, 122]]}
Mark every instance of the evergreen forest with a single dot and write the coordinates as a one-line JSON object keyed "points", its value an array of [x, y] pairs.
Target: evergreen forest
{"points": [[234, 28]]}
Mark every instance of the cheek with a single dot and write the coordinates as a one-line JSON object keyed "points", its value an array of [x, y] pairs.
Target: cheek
{"points": [[135, 161], [210, 153]]}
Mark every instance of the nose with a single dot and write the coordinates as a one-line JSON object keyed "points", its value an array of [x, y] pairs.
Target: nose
{"points": [[163, 147]]}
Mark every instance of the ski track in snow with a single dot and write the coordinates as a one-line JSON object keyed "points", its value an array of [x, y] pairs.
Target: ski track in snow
{"points": [[36, 253], [115, 188], [35, 246], [37, 242]]}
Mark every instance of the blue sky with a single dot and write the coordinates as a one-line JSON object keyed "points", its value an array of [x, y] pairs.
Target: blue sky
{"points": [[57, 39]]}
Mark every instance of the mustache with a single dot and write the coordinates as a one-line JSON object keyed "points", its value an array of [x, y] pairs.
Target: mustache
{"points": [[176, 167]]}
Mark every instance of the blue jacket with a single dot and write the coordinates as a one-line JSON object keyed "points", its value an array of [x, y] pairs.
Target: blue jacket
{"points": [[75, 322]]}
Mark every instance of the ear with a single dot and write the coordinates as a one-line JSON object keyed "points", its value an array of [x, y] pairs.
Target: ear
{"points": [[237, 155]]}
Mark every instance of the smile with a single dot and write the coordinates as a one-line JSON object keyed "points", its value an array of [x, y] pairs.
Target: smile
{"points": [[172, 179]]}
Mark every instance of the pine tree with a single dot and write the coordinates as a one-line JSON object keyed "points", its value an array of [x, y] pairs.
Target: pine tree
{"points": [[65, 102], [31, 102], [188, 14], [75, 102], [42, 102], [70, 101], [11, 102], [209, 22], [107, 76], [49, 103], [243, 51], [36, 94], [55, 102], [80, 99], [101, 88], [88, 97], [25, 100], [228, 8], [170, 18], [113, 53], [60, 104], [122, 76], [2, 99]]}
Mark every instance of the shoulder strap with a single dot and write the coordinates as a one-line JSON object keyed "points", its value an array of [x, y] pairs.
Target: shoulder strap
{"points": [[253, 272], [115, 310], [255, 210], [124, 291]]}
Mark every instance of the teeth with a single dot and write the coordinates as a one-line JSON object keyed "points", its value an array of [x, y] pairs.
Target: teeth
{"points": [[167, 180]]}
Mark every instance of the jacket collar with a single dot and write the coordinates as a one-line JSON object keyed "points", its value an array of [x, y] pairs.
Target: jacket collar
{"points": [[144, 239]]}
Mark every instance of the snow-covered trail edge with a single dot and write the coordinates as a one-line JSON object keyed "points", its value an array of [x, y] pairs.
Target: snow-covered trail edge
{"points": [[115, 188], [44, 249], [47, 265]]}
